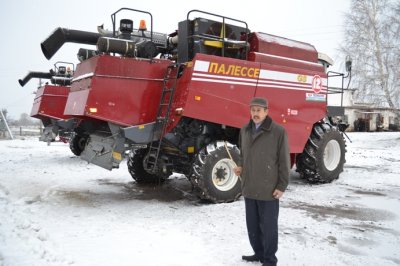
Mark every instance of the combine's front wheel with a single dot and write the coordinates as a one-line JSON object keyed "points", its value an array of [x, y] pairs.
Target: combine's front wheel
{"points": [[323, 156], [136, 161], [213, 176]]}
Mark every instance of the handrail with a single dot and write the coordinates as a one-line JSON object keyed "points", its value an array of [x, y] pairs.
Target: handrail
{"points": [[224, 18], [134, 10]]}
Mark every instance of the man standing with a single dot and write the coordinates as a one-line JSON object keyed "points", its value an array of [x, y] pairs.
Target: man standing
{"points": [[264, 166]]}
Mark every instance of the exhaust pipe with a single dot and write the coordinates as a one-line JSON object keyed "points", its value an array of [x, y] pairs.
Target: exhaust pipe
{"points": [[62, 35], [42, 75]]}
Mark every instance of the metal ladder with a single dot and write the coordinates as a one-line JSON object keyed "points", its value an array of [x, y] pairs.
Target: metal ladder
{"points": [[162, 119]]}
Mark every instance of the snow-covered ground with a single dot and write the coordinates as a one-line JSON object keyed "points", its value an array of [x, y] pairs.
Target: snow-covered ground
{"points": [[57, 210]]}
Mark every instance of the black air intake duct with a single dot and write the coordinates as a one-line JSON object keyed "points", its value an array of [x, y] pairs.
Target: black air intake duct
{"points": [[62, 35], [42, 75]]}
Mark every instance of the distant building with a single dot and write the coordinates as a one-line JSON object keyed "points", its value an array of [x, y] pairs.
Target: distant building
{"points": [[365, 116]]}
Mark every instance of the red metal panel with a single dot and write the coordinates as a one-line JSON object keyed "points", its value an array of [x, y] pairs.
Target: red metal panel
{"points": [[220, 90], [217, 94], [76, 103], [125, 91], [50, 102], [288, 104], [301, 66], [279, 46]]}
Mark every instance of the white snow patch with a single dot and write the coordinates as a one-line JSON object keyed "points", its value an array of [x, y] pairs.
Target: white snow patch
{"points": [[57, 210]]}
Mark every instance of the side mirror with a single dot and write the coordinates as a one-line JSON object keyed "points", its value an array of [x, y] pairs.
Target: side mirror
{"points": [[348, 63]]}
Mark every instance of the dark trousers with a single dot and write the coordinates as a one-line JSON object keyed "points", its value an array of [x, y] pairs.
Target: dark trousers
{"points": [[262, 227]]}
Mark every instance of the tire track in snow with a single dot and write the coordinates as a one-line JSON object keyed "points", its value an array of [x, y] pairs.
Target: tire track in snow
{"points": [[19, 232]]}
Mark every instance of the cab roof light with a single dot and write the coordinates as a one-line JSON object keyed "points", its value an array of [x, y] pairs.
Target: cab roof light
{"points": [[142, 25]]}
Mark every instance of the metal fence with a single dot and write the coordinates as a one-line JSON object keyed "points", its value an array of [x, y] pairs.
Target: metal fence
{"points": [[22, 131]]}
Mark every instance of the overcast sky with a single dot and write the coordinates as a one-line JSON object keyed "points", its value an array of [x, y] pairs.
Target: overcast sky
{"points": [[24, 24]]}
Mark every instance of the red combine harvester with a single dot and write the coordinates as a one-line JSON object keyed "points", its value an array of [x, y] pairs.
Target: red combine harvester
{"points": [[50, 100], [176, 103]]}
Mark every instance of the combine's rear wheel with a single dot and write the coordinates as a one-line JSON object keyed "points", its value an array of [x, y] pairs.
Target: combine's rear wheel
{"points": [[77, 144], [136, 161], [323, 156], [213, 176]]}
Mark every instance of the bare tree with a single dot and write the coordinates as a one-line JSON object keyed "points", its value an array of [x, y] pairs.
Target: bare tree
{"points": [[372, 39], [25, 120]]}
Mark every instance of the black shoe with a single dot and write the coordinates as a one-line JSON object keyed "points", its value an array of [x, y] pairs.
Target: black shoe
{"points": [[251, 258], [269, 264]]}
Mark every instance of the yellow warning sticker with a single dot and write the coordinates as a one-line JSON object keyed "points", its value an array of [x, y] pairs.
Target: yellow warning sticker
{"points": [[117, 156], [190, 149]]}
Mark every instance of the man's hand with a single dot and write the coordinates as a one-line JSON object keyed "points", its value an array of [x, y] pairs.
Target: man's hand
{"points": [[277, 194], [237, 170]]}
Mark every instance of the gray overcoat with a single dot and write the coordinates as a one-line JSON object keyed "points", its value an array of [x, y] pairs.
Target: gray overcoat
{"points": [[265, 159]]}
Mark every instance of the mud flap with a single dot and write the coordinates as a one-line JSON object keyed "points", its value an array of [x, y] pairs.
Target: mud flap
{"points": [[106, 152]]}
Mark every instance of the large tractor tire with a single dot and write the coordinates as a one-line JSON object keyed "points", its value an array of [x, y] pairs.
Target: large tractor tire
{"points": [[136, 161], [77, 144], [213, 177], [324, 155]]}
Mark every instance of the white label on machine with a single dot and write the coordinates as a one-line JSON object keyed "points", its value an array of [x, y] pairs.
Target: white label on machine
{"points": [[315, 97], [201, 66]]}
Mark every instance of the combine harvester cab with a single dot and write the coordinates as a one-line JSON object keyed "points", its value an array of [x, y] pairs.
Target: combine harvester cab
{"points": [[182, 111], [50, 100]]}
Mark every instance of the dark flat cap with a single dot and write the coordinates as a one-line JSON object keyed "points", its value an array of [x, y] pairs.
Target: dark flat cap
{"points": [[258, 101]]}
